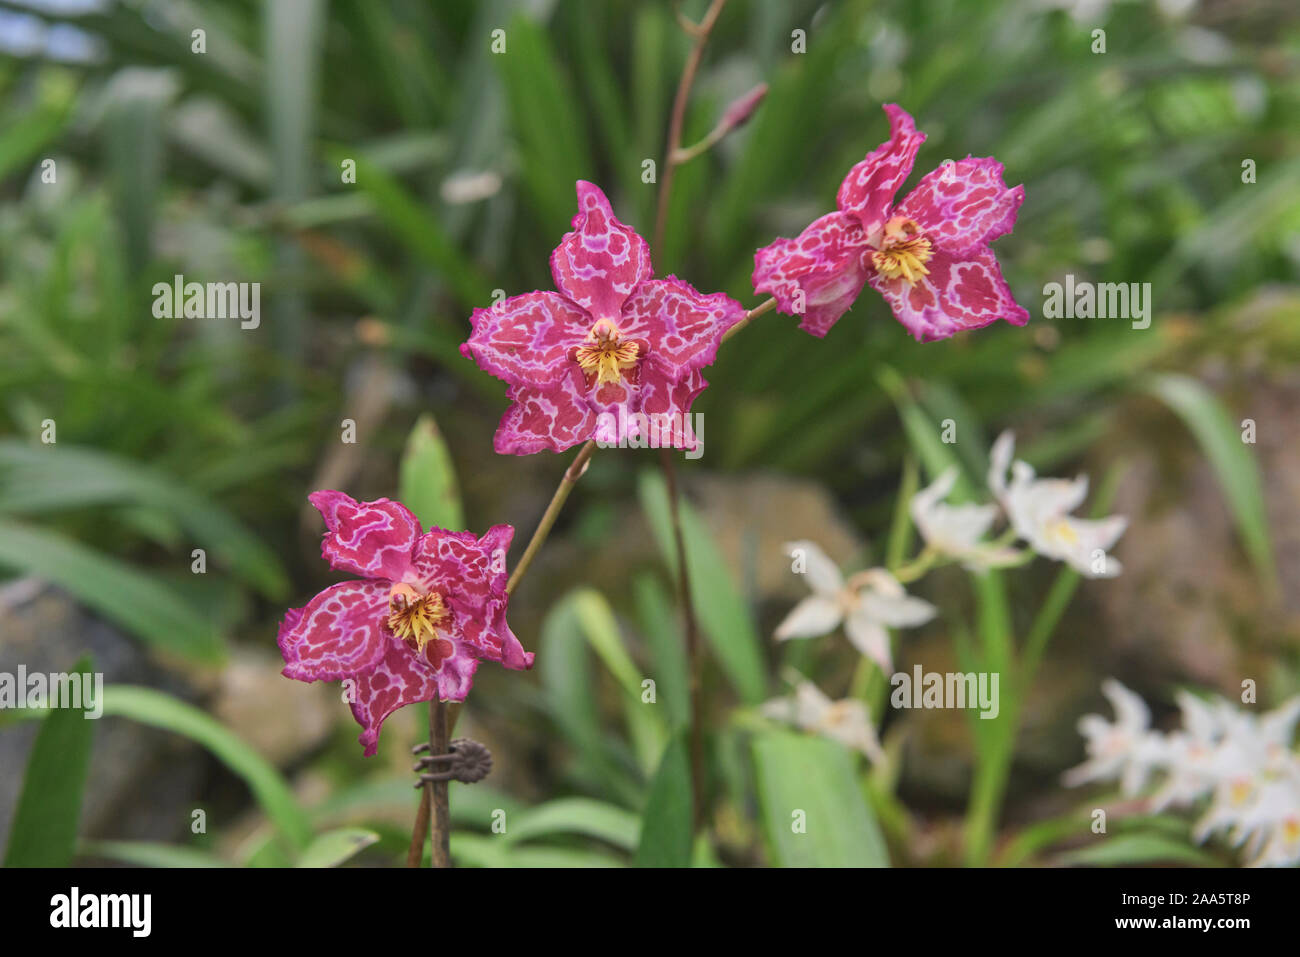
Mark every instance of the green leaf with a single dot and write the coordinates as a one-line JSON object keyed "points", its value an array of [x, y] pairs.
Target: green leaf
{"points": [[42, 479], [475, 850], [149, 854], [269, 788], [427, 485], [564, 661], [419, 230], [597, 819], [546, 119], [644, 723], [1234, 464], [136, 601], [601, 628], [666, 827], [815, 777], [662, 632], [723, 615], [335, 847], [1125, 849], [44, 829]]}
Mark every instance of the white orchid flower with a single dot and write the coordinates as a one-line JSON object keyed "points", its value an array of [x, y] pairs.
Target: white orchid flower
{"points": [[1039, 511], [1192, 753], [866, 605], [1125, 748], [845, 721], [957, 531]]}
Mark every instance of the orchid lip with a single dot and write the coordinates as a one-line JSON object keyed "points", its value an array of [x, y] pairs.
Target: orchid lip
{"points": [[605, 353], [901, 250], [415, 617]]}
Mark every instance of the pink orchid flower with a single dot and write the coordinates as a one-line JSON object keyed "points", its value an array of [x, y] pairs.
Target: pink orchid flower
{"points": [[612, 340], [928, 256], [427, 607]]}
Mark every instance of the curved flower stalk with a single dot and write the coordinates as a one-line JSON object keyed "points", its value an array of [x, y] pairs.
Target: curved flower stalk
{"points": [[607, 353], [1240, 766], [426, 608], [1039, 511], [845, 721], [866, 604], [929, 256]]}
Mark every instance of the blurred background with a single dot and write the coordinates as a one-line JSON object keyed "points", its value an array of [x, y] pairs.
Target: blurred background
{"points": [[180, 434]]}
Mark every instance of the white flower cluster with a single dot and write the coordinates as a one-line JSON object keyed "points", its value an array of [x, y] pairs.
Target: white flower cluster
{"points": [[1241, 766], [869, 603]]}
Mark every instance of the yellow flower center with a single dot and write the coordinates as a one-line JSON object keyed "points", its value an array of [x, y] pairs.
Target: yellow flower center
{"points": [[605, 353], [414, 618], [1291, 830], [903, 251], [1062, 531], [1239, 791]]}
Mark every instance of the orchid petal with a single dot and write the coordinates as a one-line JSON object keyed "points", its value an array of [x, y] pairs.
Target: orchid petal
{"points": [[601, 262], [963, 205], [868, 191], [959, 293], [371, 539], [817, 275], [337, 634]]}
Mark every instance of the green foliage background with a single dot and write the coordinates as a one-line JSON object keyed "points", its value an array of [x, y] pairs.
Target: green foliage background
{"points": [[226, 166]]}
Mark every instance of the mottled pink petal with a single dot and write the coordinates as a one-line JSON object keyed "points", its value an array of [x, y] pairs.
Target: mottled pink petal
{"points": [[526, 340], [491, 638], [868, 191], [601, 261], [959, 293], [555, 419], [402, 677], [822, 266], [651, 411], [962, 205], [465, 569], [678, 326], [338, 633], [371, 539]]}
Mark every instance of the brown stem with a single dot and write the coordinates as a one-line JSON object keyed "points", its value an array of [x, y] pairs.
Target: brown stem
{"points": [[416, 851], [434, 795], [692, 641], [701, 33], [571, 476], [439, 791]]}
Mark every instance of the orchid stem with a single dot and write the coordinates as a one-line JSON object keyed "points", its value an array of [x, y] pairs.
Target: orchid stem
{"points": [[439, 791], [700, 32], [434, 796], [571, 476], [750, 316], [692, 640]]}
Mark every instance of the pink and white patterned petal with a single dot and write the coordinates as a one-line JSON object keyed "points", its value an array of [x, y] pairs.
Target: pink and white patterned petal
{"points": [[491, 638], [868, 191], [962, 205], [817, 275], [959, 293], [678, 325], [371, 539], [666, 403], [466, 570], [555, 419], [526, 340], [652, 411], [402, 677], [601, 262], [338, 633]]}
